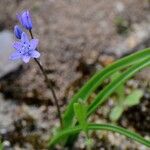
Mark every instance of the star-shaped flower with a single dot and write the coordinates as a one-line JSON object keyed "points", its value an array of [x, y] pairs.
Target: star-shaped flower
{"points": [[25, 49]]}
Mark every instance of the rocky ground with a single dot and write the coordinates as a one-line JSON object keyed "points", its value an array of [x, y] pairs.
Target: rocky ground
{"points": [[76, 39]]}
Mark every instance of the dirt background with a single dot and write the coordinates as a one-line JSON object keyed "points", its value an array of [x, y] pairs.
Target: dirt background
{"points": [[77, 38]]}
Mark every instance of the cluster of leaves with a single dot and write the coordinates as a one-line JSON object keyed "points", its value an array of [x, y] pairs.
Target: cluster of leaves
{"points": [[124, 101], [76, 115]]}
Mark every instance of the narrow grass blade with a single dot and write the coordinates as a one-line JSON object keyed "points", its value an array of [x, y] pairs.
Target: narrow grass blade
{"points": [[107, 127], [122, 131]]}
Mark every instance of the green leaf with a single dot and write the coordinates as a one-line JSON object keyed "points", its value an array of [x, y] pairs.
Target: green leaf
{"points": [[115, 75], [107, 127], [98, 78], [62, 134], [109, 89], [133, 98], [80, 110], [120, 130], [119, 90], [116, 112]]}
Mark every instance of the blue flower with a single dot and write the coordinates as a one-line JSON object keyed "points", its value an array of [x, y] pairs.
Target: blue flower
{"points": [[25, 19], [17, 31], [25, 49]]}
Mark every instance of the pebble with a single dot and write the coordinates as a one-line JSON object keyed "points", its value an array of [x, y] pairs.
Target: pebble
{"points": [[6, 65]]}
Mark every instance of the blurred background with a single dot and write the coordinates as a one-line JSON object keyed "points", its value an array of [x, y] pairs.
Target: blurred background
{"points": [[77, 38]]}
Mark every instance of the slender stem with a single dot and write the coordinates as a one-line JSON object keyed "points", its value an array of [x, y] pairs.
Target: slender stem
{"points": [[49, 85], [31, 34]]}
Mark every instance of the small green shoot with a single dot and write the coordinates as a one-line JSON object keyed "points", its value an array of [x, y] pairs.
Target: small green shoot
{"points": [[133, 98], [116, 113], [80, 110], [124, 102]]}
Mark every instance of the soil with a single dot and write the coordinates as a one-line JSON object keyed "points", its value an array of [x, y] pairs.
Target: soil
{"points": [[77, 38]]}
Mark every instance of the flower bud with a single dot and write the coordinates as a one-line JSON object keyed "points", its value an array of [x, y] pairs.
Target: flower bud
{"points": [[17, 31], [25, 19]]}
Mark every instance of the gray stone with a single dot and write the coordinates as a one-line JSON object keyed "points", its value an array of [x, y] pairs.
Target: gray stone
{"points": [[6, 65]]}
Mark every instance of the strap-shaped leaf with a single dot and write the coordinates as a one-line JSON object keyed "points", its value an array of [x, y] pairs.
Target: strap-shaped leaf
{"points": [[98, 78], [120, 130], [109, 89], [107, 127]]}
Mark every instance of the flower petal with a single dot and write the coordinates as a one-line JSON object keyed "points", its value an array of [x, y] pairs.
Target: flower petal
{"points": [[26, 59], [15, 55], [17, 31], [34, 43], [17, 45], [24, 38], [35, 54], [26, 20], [29, 20]]}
